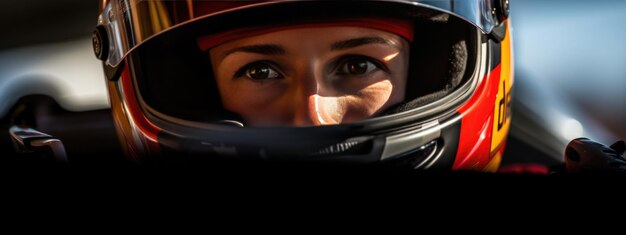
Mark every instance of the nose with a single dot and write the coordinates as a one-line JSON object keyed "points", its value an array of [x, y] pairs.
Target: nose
{"points": [[304, 102], [304, 113], [316, 110], [313, 105]]}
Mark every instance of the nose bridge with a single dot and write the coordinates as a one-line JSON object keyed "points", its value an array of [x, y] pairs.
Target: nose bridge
{"points": [[308, 83], [308, 80]]}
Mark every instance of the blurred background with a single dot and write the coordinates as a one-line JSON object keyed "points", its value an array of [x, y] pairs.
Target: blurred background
{"points": [[570, 73]]}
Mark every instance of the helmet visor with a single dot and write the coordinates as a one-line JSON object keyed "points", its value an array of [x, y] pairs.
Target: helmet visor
{"points": [[324, 63]]}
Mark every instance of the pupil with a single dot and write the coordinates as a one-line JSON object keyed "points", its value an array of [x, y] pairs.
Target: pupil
{"points": [[259, 72], [358, 67]]}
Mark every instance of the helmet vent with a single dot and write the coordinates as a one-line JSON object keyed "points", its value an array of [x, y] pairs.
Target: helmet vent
{"points": [[353, 146]]}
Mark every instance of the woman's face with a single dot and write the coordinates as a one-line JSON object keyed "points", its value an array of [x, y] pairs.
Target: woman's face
{"points": [[311, 76]]}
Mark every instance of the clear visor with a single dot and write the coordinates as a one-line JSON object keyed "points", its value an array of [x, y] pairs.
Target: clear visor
{"points": [[129, 23], [304, 63]]}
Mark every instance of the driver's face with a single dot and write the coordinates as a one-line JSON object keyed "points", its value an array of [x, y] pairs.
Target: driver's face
{"points": [[311, 76]]}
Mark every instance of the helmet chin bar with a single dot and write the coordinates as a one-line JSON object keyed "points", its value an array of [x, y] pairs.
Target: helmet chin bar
{"points": [[400, 144], [230, 123], [422, 145]]}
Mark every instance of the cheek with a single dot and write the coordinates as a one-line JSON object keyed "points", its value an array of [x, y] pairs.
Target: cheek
{"points": [[376, 95], [375, 98], [227, 92], [398, 82], [251, 100], [368, 101]]}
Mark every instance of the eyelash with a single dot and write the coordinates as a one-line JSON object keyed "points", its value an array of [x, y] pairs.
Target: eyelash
{"points": [[242, 72], [341, 62], [337, 67]]}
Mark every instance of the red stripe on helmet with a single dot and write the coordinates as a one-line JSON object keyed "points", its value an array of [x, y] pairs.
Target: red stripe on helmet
{"points": [[147, 128], [476, 124]]}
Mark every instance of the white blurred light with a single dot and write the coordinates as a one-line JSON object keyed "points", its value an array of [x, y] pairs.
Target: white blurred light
{"points": [[571, 129]]}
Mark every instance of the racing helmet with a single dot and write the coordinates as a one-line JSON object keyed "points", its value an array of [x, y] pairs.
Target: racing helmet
{"points": [[455, 112]]}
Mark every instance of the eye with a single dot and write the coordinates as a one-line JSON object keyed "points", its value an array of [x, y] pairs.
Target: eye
{"points": [[259, 71], [262, 72], [357, 65]]}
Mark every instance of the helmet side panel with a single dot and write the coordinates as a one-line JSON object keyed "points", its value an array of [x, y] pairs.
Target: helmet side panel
{"points": [[137, 134], [502, 107], [486, 116], [477, 123]]}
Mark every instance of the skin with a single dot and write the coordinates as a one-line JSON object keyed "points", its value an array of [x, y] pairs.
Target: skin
{"points": [[311, 76]]}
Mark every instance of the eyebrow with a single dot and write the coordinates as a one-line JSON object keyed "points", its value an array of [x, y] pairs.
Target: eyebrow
{"points": [[274, 49], [355, 42], [265, 49]]}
